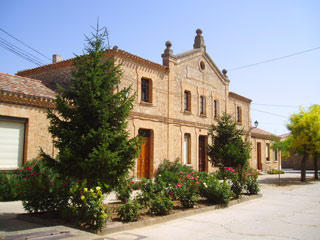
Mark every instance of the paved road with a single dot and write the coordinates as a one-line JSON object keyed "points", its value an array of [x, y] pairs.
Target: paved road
{"points": [[291, 211]]}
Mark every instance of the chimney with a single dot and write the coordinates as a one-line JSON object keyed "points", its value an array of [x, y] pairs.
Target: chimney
{"points": [[56, 58]]}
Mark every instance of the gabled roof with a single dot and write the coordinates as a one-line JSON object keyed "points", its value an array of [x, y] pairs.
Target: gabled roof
{"points": [[260, 133], [284, 136], [117, 53], [27, 91], [239, 97], [195, 53]]}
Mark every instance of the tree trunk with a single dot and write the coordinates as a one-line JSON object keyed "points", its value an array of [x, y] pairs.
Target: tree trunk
{"points": [[315, 163], [303, 167]]}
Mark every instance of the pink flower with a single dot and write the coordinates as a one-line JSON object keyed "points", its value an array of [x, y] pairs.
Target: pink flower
{"points": [[132, 182], [192, 173], [29, 169], [192, 178], [180, 172]]}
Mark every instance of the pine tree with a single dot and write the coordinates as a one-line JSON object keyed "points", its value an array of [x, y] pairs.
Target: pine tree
{"points": [[89, 125], [230, 147]]}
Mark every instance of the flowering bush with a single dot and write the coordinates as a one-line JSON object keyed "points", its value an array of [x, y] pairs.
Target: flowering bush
{"points": [[130, 211], [168, 172], [88, 208], [161, 205], [214, 191], [149, 190], [124, 189], [252, 184], [235, 178], [9, 186], [41, 189], [187, 189]]}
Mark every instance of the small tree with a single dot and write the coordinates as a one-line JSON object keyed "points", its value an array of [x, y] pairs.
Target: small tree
{"points": [[89, 125], [305, 136], [230, 147]]}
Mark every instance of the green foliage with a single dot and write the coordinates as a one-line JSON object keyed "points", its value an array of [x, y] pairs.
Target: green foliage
{"points": [[168, 172], [161, 205], [88, 208], [305, 135], [235, 178], [124, 189], [251, 182], [187, 190], [230, 147], [130, 211], [275, 171], [149, 190], [214, 191], [9, 185], [41, 189], [89, 125]]}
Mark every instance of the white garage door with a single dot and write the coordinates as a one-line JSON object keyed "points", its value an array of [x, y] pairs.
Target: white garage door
{"points": [[11, 144]]}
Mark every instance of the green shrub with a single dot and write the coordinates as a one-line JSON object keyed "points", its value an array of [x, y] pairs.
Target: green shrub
{"points": [[161, 205], [88, 208], [235, 178], [124, 189], [9, 186], [214, 191], [187, 190], [130, 211], [168, 172], [41, 189], [149, 190], [275, 171], [252, 184]]}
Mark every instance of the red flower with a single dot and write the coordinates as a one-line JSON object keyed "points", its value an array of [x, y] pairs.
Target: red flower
{"points": [[171, 195], [20, 192], [63, 185], [26, 178], [79, 180], [126, 200]]}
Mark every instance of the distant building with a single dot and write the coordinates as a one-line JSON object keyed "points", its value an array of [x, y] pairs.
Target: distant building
{"points": [[262, 156]]}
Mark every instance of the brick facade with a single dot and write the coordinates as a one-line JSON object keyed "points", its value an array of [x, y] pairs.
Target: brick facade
{"points": [[165, 115]]}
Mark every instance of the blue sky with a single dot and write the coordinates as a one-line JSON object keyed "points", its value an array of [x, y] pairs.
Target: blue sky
{"points": [[236, 33]]}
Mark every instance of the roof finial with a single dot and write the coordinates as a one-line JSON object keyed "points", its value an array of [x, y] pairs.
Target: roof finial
{"points": [[199, 40], [167, 53]]}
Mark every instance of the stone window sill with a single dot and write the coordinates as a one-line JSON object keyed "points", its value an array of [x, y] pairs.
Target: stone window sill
{"points": [[148, 104], [203, 115], [186, 112]]}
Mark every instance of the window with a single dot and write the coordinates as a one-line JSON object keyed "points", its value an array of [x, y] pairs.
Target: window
{"points": [[239, 115], [267, 152], [187, 149], [216, 109], [276, 155], [187, 101], [146, 90], [12, 134], [202, 105]]}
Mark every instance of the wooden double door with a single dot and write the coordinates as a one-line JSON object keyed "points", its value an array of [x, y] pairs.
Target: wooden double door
{"points": [[203, 158], [144, 169]]}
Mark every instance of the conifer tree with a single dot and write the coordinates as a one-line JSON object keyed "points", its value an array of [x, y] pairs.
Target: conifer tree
{"points": [[89, 125], [230, 147]]}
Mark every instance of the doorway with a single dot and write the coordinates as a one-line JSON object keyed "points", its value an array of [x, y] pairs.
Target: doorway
{"points": [[144, 160], [259, 163], [202, 154]]}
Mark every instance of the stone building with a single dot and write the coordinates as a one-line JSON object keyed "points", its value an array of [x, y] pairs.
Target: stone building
{"points": [[23, 122], [263, 157], [176, 102]]}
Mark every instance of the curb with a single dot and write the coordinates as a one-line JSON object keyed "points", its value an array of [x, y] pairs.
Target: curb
{"points": [[162, 219], [139, 224]]}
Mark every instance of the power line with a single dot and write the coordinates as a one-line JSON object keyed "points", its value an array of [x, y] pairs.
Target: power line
{"points": [[24, 44], [275, 59], [269, 113], [22, 55], [21, 51], [274, 105]]}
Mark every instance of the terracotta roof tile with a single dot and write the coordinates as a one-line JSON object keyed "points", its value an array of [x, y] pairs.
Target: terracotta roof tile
{"points": [[260, 131], [24, 86]]}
